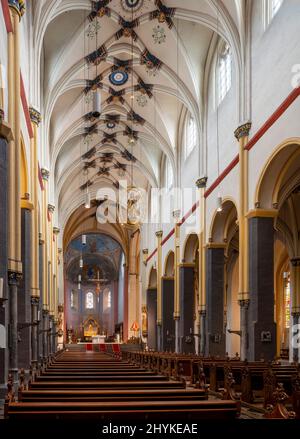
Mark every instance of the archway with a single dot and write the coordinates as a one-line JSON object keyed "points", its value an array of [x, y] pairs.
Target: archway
{"points": [[167, 297], [222, 272], [189, 288], [277, 201], [93, 274]]}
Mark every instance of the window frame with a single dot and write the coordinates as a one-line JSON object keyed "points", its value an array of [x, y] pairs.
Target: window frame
{"points": [[224, 82], [89, 294], [190, 134]]}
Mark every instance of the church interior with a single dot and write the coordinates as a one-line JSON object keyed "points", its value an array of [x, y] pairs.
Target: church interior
{"points": [[149, 210]]}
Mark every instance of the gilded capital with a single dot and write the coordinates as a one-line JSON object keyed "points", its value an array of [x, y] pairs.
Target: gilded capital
{"points": [[51, 208], [159, 233], [45, 174], [201, 182], [145, 251], [18, 6], [35, 116], [176, 214], [242, 130], [56, 230]]}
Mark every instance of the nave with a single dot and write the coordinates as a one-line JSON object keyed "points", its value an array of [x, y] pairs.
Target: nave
{"points": [[90, 385]]}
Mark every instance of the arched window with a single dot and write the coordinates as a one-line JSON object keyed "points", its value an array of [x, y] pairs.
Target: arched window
{"points": [[224, 72], [271, 7], [89, 300], [168, 174], [190, 136], [72, 299]]}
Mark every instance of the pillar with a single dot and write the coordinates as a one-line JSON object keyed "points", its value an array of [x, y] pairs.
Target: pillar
{"points": [[151, 301], [45, 272], [201, 185], [295, 311], [261, 325], [41, 304], [125, 322], [167, 309], [176, 216], [242, 135], [187, 311], [24, 295], [4, 133], [35, 290], [215, 341], [14, 184], [159, 299]]}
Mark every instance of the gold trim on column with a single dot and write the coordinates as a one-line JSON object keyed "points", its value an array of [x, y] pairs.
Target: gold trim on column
{"points": [[262, 213], [176, 216]]}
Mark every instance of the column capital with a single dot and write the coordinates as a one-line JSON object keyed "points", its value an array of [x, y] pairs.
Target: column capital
{"points": [[35, 300], [159, 233], [242, 130], [244, 303], [295, 261], [14, 277], [45, 174], [51, 208], [176, 214], [56, 230], [262, 213], [18, 6], [35, 116], [201, 182], [145, 251], [5, 129]]}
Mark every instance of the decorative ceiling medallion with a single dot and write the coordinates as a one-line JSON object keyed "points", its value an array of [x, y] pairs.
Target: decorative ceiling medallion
{"points": [[111, 125], [135, 206], [93, 29], [118, 77], [142, 100], [131, 5], [88, 139], [159, 35]]}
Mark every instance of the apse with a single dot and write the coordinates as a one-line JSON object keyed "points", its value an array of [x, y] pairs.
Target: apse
{"points": [[93, 286]]}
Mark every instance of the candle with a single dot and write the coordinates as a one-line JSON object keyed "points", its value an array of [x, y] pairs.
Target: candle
{"points": [[1, 287], [39, 315]]}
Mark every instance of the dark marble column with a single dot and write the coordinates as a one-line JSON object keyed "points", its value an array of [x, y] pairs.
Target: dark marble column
{"points": [[34, 330], [261, 326], [215, 336], [3, 264], [24, 296], [202, 318], [45, 332], [151, 302], [54, 336], [187, 309], [167, 311], [40, 309], [50, 334], [13, 283]]}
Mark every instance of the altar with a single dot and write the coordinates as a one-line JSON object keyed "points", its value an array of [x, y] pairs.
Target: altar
{"points": [[98, 339]]}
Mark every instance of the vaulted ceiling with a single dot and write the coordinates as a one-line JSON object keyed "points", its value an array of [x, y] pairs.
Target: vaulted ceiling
{"points": [[148, 58]]}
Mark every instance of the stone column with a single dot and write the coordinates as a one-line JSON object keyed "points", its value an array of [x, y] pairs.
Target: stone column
{"points": [[45, 331], [35, 290], [201, 185], [41, 304], [242, 135], [5, 134], [187, 309], [176, 216], [168, 324], [151, 302], [215, 342], [24, 297], [34, 330], [50, 334], [261, 326], [14, 210], [159, 299], [244, 305]]}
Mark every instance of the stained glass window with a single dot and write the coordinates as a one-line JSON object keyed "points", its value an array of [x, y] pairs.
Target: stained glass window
{"points": [[287, 298], [89, 300]]}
